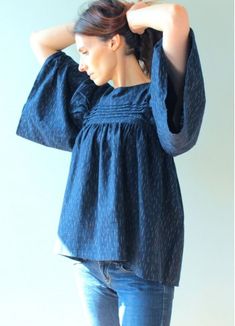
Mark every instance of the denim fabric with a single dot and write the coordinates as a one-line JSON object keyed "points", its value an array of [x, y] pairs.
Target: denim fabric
{"points": [[111, 294], [122, 200]]}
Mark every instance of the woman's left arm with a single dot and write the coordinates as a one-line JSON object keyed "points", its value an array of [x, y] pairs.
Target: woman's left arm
{"points": [[177, 86], [173, 21]]}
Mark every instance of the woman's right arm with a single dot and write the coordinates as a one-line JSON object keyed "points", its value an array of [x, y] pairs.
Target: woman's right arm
{"points": [[48, 41]]}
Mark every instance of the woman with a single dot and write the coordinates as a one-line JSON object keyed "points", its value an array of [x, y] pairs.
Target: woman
{"points": [[122, 218]]}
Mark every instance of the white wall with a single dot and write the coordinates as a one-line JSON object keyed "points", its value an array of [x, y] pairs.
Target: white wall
{"points": [[36, 287]]}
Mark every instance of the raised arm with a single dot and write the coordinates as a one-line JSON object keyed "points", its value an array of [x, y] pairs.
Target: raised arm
{"points": [[172, 20], [177, 85], [54, 110], [48, 41]]}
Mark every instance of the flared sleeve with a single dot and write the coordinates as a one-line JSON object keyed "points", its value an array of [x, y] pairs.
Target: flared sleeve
{"points": [[53, 113], [177, 130]]}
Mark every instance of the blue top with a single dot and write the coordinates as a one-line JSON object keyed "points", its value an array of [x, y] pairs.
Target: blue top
{"points": [[122, 200]]}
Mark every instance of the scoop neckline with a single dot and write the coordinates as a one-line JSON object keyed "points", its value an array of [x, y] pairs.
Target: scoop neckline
{"points": [[131, 86]]}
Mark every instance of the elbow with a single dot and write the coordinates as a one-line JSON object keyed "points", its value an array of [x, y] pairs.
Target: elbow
{"points": [[178, 12], [34, 41], [175, 151], [180, 144], [33, 37], [36, 47], [40, 50], [181, 150], [179, 17]]}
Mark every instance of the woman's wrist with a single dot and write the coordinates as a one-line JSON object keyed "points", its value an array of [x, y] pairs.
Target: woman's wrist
{"points": [[136, 25]]}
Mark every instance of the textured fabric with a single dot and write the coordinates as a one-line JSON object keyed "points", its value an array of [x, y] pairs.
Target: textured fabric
{"points": [[122, 200]]}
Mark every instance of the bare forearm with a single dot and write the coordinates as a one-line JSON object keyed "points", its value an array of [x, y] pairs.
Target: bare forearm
{"points": [[173, 21], [48, 41], [56, 37], [157, 16]]}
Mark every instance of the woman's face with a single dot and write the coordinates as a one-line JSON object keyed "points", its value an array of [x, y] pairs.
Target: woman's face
{"points": [[97, 58]]}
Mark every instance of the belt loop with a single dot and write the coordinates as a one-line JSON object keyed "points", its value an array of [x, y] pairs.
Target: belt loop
{"points": [[105, 266]]}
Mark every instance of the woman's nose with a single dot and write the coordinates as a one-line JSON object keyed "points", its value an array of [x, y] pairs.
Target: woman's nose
{"points": [[82, 67]]}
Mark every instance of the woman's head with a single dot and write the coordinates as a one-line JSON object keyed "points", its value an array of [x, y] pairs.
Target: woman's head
{"points": [[102, 33], [99, 58]]}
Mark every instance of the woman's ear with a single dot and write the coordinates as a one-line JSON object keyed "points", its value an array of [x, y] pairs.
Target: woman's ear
{"points": [[115, 42]]}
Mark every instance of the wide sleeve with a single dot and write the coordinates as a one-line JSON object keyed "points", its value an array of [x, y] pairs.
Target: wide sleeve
{"points": [[51, 116], [179, 137]]}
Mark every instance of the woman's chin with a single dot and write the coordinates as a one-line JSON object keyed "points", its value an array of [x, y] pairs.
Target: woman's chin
{"points": [[98, 82]]}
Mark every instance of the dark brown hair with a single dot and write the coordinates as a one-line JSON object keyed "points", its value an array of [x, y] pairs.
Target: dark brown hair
{"points": [[106, 18]]}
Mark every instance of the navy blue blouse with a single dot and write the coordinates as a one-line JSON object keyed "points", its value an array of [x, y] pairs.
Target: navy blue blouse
{"points": [[122, 200]]}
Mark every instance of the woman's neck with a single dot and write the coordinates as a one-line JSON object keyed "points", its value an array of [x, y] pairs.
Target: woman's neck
{"points": [[128, 72]]}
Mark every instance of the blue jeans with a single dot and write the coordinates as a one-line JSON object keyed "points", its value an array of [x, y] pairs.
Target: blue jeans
{"points": [[112, 295]]}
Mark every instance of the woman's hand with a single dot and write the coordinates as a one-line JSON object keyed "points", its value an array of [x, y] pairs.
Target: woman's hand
{"points": [[131, 17]]}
